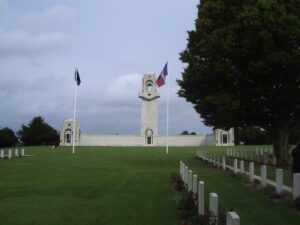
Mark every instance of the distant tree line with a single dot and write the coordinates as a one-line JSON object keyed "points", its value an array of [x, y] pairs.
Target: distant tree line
{"points": [[185, 132], [37, 132]]}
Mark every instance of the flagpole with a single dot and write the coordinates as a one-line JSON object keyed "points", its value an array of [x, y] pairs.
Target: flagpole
{"points": [[168, 90], [74, 132]]}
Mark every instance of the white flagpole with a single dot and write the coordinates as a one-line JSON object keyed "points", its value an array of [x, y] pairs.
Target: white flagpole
{"points": [[74, 131], [168, 90]]}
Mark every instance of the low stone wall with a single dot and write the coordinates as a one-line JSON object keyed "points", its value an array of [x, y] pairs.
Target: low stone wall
{"points": [[136, 140]]}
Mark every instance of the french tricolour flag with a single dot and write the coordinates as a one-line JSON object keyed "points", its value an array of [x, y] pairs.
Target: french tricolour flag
{"points": [[162, 77]]}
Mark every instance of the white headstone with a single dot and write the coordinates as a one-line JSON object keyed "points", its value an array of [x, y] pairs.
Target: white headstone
{"points": [[241, 166], [235, 166], [279, 180], [22, 152], [214, 205], [265, 158], [296, 185], [251, 171], [9, 154], [183, 175], [2, 154], [232, 218], [214, 159], [16, 152], [274, 159], [190, 180], [180, 168], [201, 198], [186, 174], [263, 174], [195, 183], [223, 162]]}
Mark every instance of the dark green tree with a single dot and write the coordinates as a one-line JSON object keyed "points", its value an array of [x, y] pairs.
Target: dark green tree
{"points": [[193, 133], [251, 136], [38, 132], [243, 67], [8, 137], [185, 132]]}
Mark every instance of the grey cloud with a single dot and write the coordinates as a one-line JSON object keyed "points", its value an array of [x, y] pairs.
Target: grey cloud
{"points": [[22, 43]]}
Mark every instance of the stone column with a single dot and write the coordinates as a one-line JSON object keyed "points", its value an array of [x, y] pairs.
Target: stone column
{"points": [[279, 180], [223, 162], [296, 185], [201, 198], [251, 171], [214, 205], [190, 180], [232, 218], [263, 174]]}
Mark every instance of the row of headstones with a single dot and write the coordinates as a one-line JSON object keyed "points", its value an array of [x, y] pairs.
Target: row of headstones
{"points": [[11, 154], [192, 184], [263, 173], [260, 155]]}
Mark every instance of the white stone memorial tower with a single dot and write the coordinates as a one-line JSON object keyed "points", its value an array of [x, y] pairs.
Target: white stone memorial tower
{"points": [[149, 96]]}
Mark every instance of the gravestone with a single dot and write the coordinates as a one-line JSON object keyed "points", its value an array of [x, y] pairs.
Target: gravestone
{"points": [[213, 207], [232, 218], [201, 198], [279, 180], [263, 174]]}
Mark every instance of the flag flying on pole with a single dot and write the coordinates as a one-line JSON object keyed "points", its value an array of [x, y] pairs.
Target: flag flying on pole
{"points": [[77, 77], [162, 77]]}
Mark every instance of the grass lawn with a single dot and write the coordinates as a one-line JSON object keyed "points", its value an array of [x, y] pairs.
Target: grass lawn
{"points": [[115, 185]]}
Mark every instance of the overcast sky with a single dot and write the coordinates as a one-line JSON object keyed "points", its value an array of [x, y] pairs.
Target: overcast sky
{"points": [[113, 43]]}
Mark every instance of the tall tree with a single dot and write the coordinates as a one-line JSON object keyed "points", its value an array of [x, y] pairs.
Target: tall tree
{"points": [[243, 67], [250, 136], [38, 132], [8, 137]]}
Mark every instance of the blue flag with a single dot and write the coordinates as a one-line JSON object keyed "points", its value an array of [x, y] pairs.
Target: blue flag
{"points": [[77, 78]]}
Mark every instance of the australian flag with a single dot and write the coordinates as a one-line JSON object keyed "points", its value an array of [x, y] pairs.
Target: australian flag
{"points": [[77, 77]]}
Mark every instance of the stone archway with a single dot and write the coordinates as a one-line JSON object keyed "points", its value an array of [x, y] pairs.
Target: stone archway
{"points": [[68, 136], [149, 137]]}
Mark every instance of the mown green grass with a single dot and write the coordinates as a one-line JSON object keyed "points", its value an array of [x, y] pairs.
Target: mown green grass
{"points": [[115, 185]]}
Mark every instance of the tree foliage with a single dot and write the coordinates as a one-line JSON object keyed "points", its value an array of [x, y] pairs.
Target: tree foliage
{"points": [[38, 132], [185, 132], [8, 137], [243, 67], [251, 136]]}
